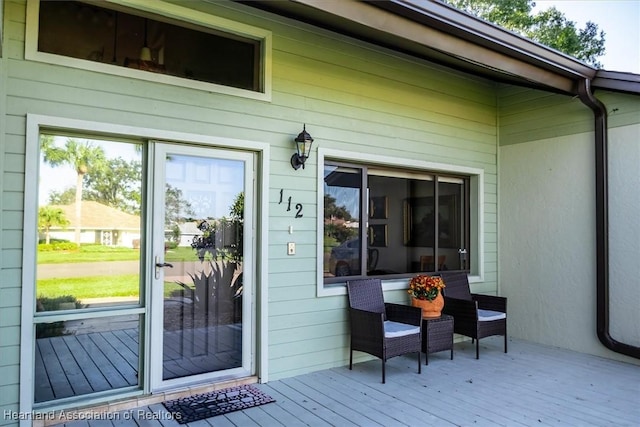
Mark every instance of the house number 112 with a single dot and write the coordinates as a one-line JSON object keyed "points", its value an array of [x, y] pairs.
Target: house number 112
{"points": [[298, 205]]}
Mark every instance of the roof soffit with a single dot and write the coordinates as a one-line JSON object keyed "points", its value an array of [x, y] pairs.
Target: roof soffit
{"points": [[436, 32]]}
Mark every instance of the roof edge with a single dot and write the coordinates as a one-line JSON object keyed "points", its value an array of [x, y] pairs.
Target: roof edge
{"points": [[617, 81], [436, 31], [487, 34]]}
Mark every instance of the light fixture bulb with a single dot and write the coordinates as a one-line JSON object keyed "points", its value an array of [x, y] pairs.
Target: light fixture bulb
{"points": [[145, 54]]}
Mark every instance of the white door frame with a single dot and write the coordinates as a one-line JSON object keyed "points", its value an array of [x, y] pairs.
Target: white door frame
{"points": [[156, 189]]}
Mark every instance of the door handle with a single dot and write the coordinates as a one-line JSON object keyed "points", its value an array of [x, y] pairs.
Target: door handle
{"points": [[160, 265], [163, 264]]}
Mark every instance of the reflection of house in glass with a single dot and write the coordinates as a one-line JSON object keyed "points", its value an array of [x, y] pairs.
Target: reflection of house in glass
{"points": [[188, 231], [100, 224]]}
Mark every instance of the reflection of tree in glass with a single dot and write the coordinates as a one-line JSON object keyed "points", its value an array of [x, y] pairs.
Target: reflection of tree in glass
{"points": [[331, 209], [83, 157], [177, 209], [65, 197], [117, 184], [221, 243], [222, 238], [335, 218], [49, 217], [236, 212]]}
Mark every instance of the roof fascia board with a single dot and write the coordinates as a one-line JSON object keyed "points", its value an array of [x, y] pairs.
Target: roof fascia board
{"points": [[616, 81], [487, 34], [367, 14]]}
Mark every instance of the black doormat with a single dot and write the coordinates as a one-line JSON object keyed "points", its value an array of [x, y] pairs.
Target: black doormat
{"points": [[200, 406]]}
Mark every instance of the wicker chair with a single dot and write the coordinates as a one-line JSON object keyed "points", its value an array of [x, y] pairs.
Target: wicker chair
{"points": [[384, 330], [475, 315]]}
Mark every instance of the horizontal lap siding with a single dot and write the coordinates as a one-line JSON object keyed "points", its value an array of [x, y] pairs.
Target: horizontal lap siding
{"points": [[358, 100], [529, 115], [351, 96], [11, 211]]}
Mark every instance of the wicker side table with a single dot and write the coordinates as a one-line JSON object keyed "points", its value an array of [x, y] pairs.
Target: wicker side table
{"points": [[437, 335]]}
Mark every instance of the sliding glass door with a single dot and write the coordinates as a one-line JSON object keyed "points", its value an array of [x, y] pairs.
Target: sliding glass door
{"points": [[144, 267]]}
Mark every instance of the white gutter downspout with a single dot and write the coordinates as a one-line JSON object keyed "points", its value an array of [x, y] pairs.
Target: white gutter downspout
{"points": [[602, 223]]}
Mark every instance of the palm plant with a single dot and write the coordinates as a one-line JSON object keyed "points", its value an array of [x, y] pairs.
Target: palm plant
{"points": [[82, 157], [214, 293], [48, 217]]}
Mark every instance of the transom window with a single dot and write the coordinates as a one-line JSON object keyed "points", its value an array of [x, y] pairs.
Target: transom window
{"points": [[384, 222], [126, 38]]}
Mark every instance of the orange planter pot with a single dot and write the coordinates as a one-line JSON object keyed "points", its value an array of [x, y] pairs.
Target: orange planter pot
{"points": [[430, 309]]}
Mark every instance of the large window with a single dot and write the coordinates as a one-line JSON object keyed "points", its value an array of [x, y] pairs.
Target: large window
{"points": [[382, 222], [126, 38]]}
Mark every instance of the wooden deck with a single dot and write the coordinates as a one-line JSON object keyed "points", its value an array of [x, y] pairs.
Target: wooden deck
{"points": [[73, 365], [532, 385]]}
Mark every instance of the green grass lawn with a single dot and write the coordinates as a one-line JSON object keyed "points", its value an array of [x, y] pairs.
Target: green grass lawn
{"points": [[118, 285], [90, 287], [88, 254], [95, 287], [97, 253]]}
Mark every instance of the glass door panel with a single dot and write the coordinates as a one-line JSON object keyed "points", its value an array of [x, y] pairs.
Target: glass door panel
{"points": [[453, 245], [201, 264], [89, 223], [88, 309]]}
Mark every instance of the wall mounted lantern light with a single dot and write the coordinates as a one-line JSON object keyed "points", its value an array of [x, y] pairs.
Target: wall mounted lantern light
{"points": [[303, 149]]}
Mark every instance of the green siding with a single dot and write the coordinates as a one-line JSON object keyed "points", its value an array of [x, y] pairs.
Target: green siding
{"points": [[622, 109], [351, 96], [530, 115], [370, 102], [11, 205]]}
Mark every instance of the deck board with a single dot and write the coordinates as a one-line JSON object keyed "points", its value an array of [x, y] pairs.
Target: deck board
{"points": [[360, 398], [72, 371], [125, 346], [43, 389], [304, 398], [532, 385], [129, 373], [73, 365], [109, 371], [366, 409], [87, 365]]}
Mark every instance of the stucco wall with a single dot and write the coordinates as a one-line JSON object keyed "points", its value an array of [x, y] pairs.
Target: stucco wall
{"points": [[624, 233], [547, 224]]}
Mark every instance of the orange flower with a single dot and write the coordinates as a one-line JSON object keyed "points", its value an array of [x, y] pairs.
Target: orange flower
{"points": [[425, 287]]}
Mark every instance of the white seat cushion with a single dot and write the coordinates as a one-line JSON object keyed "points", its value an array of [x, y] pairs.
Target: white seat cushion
{"points": [[489, 315], [396, 329]]}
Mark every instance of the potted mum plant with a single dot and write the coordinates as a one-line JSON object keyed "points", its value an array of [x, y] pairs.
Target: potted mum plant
{"points": [[426, 293]]}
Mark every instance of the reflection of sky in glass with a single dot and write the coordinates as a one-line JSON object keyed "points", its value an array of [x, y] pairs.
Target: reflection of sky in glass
{"points": [[349, 198], [62, 177], [213, 183], [343, 185], [209, 185]]}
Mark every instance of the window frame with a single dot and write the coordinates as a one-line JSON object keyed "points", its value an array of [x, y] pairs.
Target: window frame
{"points": [[476, 214], [177, 15]]}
